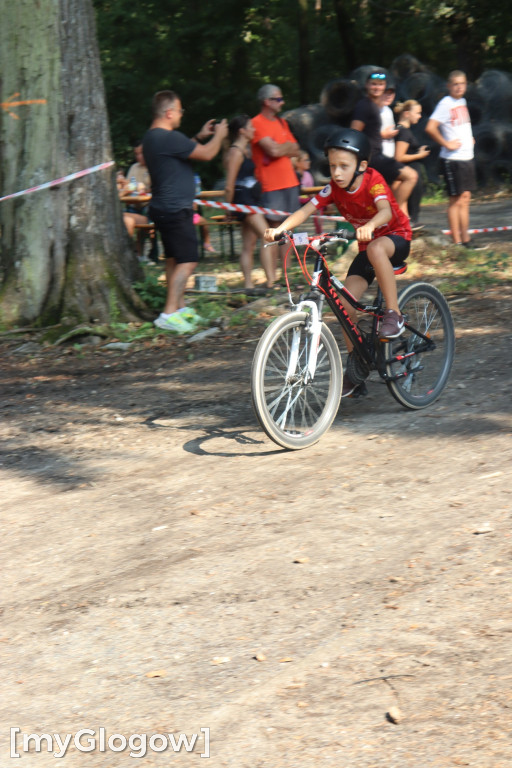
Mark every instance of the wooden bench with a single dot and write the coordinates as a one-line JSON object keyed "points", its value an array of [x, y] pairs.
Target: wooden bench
{"points": [[225, 223], [222, 221]]}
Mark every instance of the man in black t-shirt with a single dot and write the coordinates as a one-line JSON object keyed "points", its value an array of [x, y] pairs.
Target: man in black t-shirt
{"points": [[366, 118], [168, 154]]}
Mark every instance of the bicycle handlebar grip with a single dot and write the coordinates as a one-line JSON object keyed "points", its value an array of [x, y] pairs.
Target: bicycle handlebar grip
{"points": [[346, 234]]}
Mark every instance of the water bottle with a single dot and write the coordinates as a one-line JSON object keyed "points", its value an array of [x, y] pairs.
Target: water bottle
{"points": [[133, 185], [197, 183]]}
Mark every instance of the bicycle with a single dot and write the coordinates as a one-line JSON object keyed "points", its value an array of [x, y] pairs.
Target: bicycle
{"points": [[296, 376]]}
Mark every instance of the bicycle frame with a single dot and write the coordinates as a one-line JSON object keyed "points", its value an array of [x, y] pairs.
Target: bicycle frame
{"points": [[325, 286], [297, 375]]}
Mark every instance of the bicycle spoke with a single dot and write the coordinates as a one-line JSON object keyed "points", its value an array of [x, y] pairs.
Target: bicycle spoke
{"points": [[419, 378], [294, 407]]}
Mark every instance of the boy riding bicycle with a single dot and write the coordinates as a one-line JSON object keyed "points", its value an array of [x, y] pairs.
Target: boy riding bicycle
{"points": [[365, 200]]}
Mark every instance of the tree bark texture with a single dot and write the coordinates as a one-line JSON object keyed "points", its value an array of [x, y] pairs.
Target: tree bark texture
{"points": [[65, 254]]}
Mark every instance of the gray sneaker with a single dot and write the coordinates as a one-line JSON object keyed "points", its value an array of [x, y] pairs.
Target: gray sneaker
{"points": [[350, 389], [392, 325], [473, 246], [348, 386]]}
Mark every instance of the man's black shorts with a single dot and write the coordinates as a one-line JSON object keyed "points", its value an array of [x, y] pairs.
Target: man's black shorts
{"points": [[459, 176], [362, 267], [178, 234]]}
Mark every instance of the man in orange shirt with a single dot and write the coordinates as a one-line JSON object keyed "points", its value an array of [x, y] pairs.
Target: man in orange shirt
{"points": [[272, 147]]}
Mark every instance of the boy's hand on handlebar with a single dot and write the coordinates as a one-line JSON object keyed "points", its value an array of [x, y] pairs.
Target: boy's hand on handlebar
{"points": [[270, 235], [364, 233]]}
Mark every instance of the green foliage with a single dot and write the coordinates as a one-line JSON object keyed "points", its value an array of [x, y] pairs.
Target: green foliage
{"points": [[216, 55], [434, 195], [210, 306], [129, 332], [151, 291], [476, 270]]}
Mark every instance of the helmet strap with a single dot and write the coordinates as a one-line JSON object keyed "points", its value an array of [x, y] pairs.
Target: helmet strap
{"points": [[356, 174]]}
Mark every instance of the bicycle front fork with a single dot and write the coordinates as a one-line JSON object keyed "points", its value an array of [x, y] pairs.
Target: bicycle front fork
{"points": [[313, 329]]}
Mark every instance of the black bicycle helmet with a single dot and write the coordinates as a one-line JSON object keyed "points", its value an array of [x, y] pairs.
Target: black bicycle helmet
{"points": [[350, 140]]}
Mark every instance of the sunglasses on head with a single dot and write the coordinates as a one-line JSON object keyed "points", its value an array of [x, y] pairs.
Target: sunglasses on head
{"points": [[377, 76]]}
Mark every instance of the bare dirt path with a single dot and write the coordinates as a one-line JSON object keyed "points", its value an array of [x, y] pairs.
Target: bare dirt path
{"points": [[166, 568]]}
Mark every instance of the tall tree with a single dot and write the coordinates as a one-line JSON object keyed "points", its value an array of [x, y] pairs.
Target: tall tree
{"points": [[303, 55], [65, 254]]}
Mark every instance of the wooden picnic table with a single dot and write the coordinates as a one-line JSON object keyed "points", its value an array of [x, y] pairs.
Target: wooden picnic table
{"points": [[311, 190], [129, 198]]}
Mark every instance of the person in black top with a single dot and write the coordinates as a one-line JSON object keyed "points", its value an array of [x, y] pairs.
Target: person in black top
{"points": [[168, 154], [366, 118], [243, 188], [410, 152]]}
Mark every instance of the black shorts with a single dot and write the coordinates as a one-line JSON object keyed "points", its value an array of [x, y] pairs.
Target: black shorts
{"points": [[388, 167], [142, 209], [361, 265], [178, 233], [459, 176], [247, 196]]}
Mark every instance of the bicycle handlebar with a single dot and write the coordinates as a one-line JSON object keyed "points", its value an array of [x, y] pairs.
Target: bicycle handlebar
{"points": [[319, 240], [340, 234]]}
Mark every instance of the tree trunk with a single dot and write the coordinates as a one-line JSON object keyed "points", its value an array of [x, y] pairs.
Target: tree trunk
{"points": [[65, 254], [346, 31], [303, 57]]}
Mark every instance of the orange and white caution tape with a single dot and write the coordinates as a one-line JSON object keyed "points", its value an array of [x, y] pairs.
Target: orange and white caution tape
{"points": [[58, 182], [480, 231], [257, 209]]}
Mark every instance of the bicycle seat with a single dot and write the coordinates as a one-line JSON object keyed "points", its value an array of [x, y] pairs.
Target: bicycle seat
{"points": [[400, 269]]}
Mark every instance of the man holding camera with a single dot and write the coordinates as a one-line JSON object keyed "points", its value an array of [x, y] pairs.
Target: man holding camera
{"points": [[168, 154]]}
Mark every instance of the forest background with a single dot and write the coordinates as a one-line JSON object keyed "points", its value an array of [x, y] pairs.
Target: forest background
{"points": [[77, 78], [216, 55]]}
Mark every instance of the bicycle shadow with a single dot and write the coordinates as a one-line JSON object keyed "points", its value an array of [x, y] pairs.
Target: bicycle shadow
{"points": [[235, 436]]}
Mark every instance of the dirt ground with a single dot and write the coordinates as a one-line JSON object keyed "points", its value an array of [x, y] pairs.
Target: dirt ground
{"points": [[167, 569]]}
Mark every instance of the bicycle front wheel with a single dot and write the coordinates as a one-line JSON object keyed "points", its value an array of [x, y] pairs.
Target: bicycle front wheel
{"points": [[293, 408], [419, 366]]}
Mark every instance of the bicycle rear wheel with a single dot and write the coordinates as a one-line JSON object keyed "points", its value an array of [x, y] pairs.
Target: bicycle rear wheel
{"points": [[420, 378], [293, 411]]}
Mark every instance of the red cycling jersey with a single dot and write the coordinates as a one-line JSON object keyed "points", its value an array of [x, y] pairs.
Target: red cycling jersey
{"points": [[360, 206]]}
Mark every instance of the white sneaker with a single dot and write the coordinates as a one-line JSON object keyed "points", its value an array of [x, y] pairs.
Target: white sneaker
{"points": [[191, 316], [174, 323]]}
